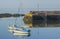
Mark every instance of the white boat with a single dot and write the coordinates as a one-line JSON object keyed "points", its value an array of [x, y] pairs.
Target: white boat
{"points": [[18, 30], [19, 34], [15, 32], [15, 28]]}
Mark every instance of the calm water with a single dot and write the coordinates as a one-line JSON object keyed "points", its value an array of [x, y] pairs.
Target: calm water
{"points": [[36, 33]]}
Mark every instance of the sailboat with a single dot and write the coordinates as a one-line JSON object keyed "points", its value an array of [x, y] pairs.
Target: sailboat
{"points": [[18, 30], [21, 30]]}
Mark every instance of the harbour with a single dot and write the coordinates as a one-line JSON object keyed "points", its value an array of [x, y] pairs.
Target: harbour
{"points": [[29, 19]]}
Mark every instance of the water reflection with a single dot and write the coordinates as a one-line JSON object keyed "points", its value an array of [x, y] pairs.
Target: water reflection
{"points": [[43, 23], [35, 33]]}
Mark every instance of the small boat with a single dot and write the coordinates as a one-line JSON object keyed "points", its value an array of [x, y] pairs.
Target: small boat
{"points": [[19, 34], [19, 31], [16, 32], [13, 27]]}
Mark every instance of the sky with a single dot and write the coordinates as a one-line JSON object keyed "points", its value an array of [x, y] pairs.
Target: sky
{"points": [[28, 5]]}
